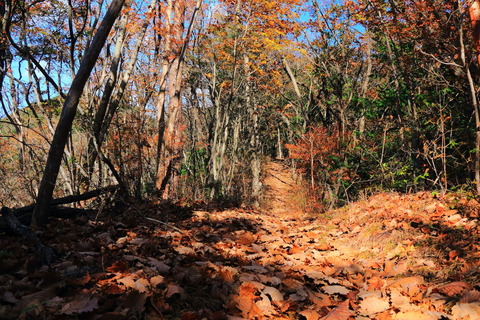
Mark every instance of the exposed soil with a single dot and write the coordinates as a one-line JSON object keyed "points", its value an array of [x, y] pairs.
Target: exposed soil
{"points": [[284, 197]]}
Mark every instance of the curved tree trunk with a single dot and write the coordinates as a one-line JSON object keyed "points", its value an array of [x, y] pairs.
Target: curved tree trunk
{"points": [[69, 110]]}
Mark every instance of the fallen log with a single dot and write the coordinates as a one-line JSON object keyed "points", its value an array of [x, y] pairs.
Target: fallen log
{"points": [[24, 214], [69, 199]]}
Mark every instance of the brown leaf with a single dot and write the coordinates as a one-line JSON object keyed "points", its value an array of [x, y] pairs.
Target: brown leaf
{"points": [[453, 254], [318, 299], [111, 288], [273, 293], [36, 300], [135, 303], [386, 315], [81, 304], [453, 288], [159, 265], [283, 306], [174, 289], [341, 312], [470, 296], [375, 283], [295, 249], [399, 300], [336, 290], [372, 305], [392, 270], [185, 250], [406, 282], [227, 274], [291, 284], [264, 304], [416, 314], [256, 269], [245, 238], [467, 311], [245, 300], [323, 247]]}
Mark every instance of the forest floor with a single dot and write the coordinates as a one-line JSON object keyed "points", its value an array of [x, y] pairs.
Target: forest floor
{"points": [[391, 256]]}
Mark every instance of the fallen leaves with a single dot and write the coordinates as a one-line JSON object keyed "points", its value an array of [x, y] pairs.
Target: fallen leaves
{"points": [[389, 257]]}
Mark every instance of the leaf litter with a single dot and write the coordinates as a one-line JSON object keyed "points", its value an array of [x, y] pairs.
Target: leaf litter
{"points": [[390, 256]]}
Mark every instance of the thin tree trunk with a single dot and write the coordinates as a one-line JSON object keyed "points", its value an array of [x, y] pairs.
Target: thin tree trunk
{"points": [[166, 65], [475, 21], [292, 77], [106, 97], [109, 102], [3, 43]]}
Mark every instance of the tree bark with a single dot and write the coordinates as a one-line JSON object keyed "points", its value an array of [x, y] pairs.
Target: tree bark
{"points": [[170, 129], [45, 192], [166, 65], [3, 44], [291, 75], [474, 12]]}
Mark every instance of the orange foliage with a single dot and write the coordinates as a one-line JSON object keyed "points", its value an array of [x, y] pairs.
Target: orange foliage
{"points": [[314, 149]]}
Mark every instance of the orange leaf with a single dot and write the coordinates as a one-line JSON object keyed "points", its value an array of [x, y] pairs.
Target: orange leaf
{"points": [[128, 281], [295, 249], [119, 266], [310, 314], [453, 254], [227, 274], [245, 300], [375, 283]]}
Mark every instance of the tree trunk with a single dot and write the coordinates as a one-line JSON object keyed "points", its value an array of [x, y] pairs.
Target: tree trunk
{"points": [[170, 140], [166, 65], [3, 43], [475, 21], [55, 154], [106, 96], [110, 99]]}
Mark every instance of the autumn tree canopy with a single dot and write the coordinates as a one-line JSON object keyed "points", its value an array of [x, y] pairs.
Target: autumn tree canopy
{"points": [[188, 99]]}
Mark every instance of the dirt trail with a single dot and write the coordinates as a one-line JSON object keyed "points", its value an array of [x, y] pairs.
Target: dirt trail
{"points": [[389, 257], [283, 195]]}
